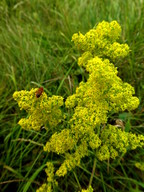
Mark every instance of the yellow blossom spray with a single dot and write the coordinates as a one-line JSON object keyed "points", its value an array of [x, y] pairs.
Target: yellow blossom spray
{"points": [[102, 94]]}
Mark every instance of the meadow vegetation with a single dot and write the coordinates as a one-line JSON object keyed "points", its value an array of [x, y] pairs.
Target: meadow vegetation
{"points": [[36, 50]]}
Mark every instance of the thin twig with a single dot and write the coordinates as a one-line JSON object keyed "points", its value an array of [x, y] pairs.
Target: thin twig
{"points": [[54, 79], [18, 180], [28, 140]]}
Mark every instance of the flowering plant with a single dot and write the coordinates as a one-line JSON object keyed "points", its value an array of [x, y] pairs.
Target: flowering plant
{"points": [[87, 111]]}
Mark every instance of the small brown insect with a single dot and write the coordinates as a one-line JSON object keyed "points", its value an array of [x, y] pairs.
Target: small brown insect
{"points": [[39, 92]]}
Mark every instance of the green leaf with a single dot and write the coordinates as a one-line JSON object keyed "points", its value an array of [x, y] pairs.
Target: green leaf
{"points": [[127, 126], [124, 116], [26, 187]]}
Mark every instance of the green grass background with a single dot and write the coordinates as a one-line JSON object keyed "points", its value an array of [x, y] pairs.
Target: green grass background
{"points": [[36, 50]]}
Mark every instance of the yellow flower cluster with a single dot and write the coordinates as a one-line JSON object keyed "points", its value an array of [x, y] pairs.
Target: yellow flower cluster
{"points": [[102, 94], [116, 141], [101, 41], [43, 111], [50, 172], [140, 165], [72, 160], [89, 189], [47, 187], [60, 143]]}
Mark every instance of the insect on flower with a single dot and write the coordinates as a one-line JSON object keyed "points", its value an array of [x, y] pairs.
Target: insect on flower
{"points": [[39, 92]]}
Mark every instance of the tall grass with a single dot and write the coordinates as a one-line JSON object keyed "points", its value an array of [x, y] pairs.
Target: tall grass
{"points": [[36, 50]]}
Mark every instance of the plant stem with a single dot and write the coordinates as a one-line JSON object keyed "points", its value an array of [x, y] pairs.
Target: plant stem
{"points": [[77, 180], [93, 171], [28, 140]]}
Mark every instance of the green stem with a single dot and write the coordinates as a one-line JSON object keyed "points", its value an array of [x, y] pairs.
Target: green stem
{"points": [[28, 140], [77, 180], [93, 171]]}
